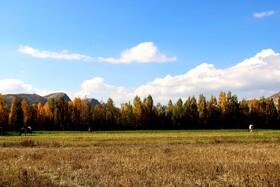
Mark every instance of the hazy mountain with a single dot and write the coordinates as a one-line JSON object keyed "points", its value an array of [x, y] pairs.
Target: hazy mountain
{"points": [[275, 98], [34, 98], [93, 102], [57, 96], [29, 98]]}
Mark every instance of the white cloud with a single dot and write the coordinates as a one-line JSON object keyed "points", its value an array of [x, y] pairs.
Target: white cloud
{"points": [[254, 77], [14, 86], [263, 14], [64, 55], [97, 88], [143, 52]]}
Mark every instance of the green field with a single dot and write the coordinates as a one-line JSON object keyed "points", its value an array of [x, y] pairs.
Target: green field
{"points": [[141, 158], [73, 138]]}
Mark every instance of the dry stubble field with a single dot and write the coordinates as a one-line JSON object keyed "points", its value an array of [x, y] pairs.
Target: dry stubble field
{"points": [[141, 158]]}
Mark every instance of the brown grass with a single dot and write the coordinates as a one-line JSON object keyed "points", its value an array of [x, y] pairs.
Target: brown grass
{"points": [[141, 164]]}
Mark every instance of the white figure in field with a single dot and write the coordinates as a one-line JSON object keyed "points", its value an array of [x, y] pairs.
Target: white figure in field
{"points": [[251, 128]]}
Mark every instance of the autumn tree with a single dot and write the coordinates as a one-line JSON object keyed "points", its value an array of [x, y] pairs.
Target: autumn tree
{"points": [[111, 114], [26, 109], [40, 116], [278, 105], [61, 114], [86, 114], [137, 112], [222, 104], [99, 117], [126, 116], [77, 119], [49, 109], [15, 115], [254, 112], [3, 113]]}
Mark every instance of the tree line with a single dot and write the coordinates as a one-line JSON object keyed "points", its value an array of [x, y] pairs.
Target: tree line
{"points": [[226, 112]]}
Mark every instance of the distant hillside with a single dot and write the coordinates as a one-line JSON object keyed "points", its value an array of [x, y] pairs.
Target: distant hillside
{"points": [[29, 98], [57, 96], [275, 98], [93, 102], [34, 98]]}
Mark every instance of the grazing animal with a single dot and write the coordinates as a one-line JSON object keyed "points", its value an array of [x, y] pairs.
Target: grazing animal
{"points": [[251, 128], [89, 129], [25, 130]]}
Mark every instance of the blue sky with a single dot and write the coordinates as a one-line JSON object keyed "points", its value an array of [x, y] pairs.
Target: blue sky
{"points": [[119, 49]]}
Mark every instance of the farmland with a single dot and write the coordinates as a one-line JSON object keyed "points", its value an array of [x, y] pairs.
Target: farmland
{"points": [[141, 158]]}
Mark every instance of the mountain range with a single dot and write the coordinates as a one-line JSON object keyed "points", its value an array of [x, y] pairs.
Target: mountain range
{"points": [[35, 99]]}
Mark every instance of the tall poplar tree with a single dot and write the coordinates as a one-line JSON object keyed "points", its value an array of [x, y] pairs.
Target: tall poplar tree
{"points": [[138, 111], [213, 113], [178, 114], [3, 113], [15, 115], [202, 111], [222, 104], [26, 113]]}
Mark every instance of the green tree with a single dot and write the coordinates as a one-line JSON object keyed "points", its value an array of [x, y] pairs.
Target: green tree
{"points": [[111, 114], [202, 110], [160, 116], [178, 114], [191, 114], [232, 111], [262, 108], [271, 115], [244, 114], [213, 113], [148, 115], [170, 115]]}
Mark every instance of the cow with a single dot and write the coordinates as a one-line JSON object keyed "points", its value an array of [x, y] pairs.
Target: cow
{"points": [[251, 128], [25, 130]]}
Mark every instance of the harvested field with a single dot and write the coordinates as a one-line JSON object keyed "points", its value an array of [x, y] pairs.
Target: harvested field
{"points": [[32, 161]]}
